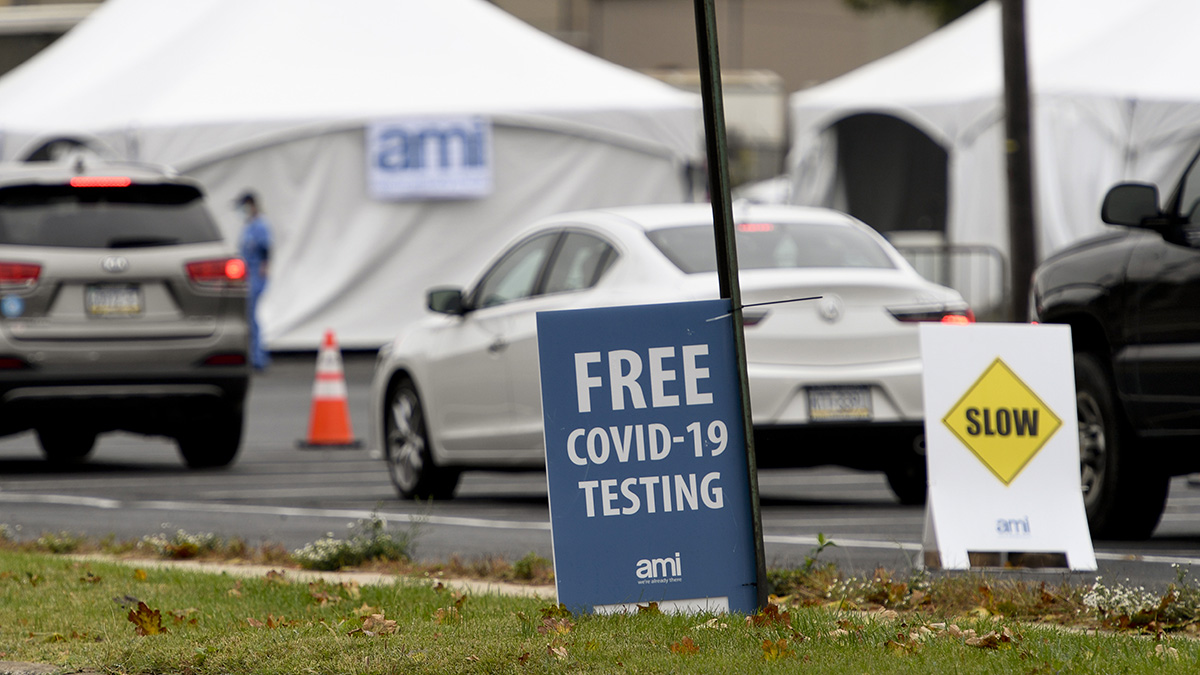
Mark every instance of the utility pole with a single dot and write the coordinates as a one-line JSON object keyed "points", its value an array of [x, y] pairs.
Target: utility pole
{"points": [[727, 267], [1022, 247]]}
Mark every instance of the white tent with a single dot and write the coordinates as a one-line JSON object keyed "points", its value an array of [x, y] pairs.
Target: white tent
{"points": [[281, 96], [916, 140]]}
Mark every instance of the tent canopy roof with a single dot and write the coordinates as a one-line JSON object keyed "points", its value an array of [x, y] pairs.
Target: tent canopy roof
{"points": [[154, 64], [1098, 47]]}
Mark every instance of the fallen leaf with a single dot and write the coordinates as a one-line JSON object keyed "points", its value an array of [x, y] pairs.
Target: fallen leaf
{"points": [[445, 615], [146, 621], [139, 575], [377, 624], [769, 616], [274, 577], [559, 653], [1164, 652], [685, 647], [182, 616], [776, 649], [555, 626], [649, 608], [366, 610], [90, 579], [555, 610]]}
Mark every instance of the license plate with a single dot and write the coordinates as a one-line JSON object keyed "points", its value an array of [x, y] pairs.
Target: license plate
{"points": [[835, 404], [111, 300]]}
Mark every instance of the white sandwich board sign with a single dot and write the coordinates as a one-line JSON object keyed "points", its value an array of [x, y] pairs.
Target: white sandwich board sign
{"points": [[1002, 446]]}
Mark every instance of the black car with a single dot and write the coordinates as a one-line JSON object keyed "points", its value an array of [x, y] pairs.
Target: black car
{"points": [[1132, 299]]}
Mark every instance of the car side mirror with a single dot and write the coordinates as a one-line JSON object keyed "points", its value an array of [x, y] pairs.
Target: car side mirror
{"points": [[446, 301], [1130, 204]]}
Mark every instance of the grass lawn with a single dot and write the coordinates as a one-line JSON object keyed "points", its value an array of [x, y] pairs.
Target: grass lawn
{"points": [[126, 617]]}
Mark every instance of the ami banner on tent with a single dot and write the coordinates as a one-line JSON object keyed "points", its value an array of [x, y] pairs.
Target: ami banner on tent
{"points": [[429, 158], [645, 458]]}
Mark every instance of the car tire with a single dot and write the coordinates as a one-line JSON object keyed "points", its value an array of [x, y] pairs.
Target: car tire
{"points": [[908, 477], [1123, 495], [214, 443], [406, 448], [66, 445]]}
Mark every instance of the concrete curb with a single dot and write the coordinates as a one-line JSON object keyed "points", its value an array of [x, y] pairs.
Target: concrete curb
{"points": [[473, 586]]}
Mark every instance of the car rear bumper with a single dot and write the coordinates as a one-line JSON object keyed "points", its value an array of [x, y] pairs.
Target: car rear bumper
{"points": [[779, 394], [161, 404], [869, 447]]}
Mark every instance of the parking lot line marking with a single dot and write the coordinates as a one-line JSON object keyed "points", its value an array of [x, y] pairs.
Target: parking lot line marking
{"points": [[207, 507]]}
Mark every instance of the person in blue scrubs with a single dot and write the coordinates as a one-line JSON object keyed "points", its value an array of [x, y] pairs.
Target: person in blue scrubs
{"points": [[256, 251]]}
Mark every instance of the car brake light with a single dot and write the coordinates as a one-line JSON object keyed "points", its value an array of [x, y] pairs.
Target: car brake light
{"points": [[101, 181], [218, 272], [959, 319], [756, 227], [15, 274], [956, 317], [13, 363], [232, 359]]}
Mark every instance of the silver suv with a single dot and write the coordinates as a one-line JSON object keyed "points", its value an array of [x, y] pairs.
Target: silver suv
{"points": [[121, 307]]}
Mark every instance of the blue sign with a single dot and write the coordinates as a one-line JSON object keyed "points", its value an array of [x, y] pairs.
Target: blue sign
{"points": [[645, 458]]}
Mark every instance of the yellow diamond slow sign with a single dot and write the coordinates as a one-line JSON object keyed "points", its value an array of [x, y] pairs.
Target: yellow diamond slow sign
{"points": [[1002, 421]]}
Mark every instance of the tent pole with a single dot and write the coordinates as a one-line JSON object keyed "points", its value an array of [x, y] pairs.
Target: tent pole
{"points": [[727, 267]]}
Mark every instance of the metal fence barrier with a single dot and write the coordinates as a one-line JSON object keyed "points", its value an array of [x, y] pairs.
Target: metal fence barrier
{"points": [[977, 271]]}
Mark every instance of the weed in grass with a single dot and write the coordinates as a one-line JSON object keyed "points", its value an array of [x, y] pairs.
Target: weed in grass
{"points": [[533, 567], [182, 545], [60, 542], [370, 540]]}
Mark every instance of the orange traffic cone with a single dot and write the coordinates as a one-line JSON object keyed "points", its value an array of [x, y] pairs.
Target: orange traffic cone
{"points": [[329, 423]]}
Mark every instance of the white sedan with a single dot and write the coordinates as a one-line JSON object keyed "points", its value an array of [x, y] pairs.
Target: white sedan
{"points": [[835, 380]]}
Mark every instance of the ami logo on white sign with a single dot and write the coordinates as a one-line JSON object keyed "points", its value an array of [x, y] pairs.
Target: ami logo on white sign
{"points": [[430, 158]]}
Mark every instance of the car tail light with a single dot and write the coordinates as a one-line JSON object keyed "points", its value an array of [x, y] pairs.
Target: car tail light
{"points": [[16, 275], [756, 227], [13, 363], [101, 181], [218, 273], [230, 359], [957, 316]]}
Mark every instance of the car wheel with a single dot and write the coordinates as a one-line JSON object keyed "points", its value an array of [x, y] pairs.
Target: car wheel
{"points": [[406, 448], [214, 443], [66, 445], [908, 477], [1123, 496]]}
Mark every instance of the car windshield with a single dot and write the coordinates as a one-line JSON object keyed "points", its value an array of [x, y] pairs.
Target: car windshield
{"points": [[768, 245], [104, 217]]}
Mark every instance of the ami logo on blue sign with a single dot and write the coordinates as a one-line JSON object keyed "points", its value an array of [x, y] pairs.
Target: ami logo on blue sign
{"points": [[418, 158], [645, 458]]}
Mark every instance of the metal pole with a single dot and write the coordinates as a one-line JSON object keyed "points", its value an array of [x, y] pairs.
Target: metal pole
{"points": [[1022, 251], [727, 268]]}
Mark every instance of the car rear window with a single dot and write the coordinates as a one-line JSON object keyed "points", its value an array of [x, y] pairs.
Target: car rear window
{"points": [[768, 245], [104, 217]]}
